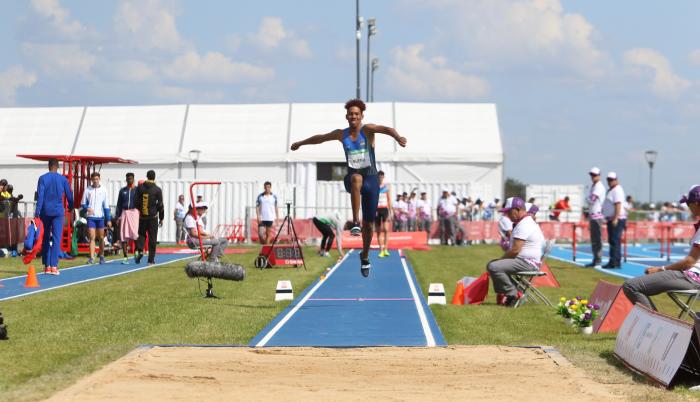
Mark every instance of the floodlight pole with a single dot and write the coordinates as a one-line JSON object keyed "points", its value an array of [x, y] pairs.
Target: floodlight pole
{"points": [[371, 31], [375, 66], [358, 36], [650, 157]]}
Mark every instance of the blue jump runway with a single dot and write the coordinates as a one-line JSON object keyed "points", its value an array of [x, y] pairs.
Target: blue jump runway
{"points": [[639, 257], [347, 310], [14, 287]]}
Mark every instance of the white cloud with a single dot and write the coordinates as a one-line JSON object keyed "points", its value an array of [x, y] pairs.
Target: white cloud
{"points": [[517, 34], [272, 36], [11, 80], [148, 25], [59, 18], [413, 75], [664, 82], [694, 57], [214, 67], [59, 59], [132, 71]]}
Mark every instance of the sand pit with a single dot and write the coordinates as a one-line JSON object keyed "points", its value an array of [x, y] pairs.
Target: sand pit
{"points": [[314, 374]]}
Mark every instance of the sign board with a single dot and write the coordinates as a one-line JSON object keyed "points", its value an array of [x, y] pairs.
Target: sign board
{"points": [[436, 294], [653, 344], [614, 306], [284, 291]]}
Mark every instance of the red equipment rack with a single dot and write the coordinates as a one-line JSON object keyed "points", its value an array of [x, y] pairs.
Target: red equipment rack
{"points": [[77, 169]]}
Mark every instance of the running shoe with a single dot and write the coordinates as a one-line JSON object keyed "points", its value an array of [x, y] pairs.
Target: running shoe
{"points": [[386, 253], [47, 270], [125, 261], [151, 263], [138, 256], [54, 271], [90, 261], [102, 260], [364, 267], [381, 254], [355, 230]]}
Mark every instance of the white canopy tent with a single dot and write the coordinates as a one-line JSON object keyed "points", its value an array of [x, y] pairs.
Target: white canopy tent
{"points": [[451, 143]]}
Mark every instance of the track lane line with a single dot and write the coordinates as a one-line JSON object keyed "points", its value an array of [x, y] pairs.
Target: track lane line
{"points": [[296, 308], [429, 338]]}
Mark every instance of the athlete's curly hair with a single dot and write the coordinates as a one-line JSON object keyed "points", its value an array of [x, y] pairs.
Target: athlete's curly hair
{"points": [[355, 102]]}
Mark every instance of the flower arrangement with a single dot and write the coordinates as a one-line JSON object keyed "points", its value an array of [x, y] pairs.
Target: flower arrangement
{"points": [[579, 310]]}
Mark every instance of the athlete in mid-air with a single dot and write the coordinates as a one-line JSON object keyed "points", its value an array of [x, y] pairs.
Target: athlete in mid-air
{"points": [[361, 180]]}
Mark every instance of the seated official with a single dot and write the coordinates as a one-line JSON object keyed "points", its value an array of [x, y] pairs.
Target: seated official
{"points": [[524, 254], [218, 244], [681, 275]]}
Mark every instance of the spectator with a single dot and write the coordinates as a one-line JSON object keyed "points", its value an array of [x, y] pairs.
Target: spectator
{"points": [[52, 189], [505, 228], [381, 220], [629, 205], [531, 200], [331, 227], [596, 195], [127, 215], [524, 254], [561, 205], [616, 219], [267, 212], [447, 213], [3, 189], [195, 231], [97, 212], [411, 211], [477, 210], [401, 213], [532, 210], [13, 210], [425, 214], [149, 202], [199, 200], [681, 275], [179, 214], [490, 211]]}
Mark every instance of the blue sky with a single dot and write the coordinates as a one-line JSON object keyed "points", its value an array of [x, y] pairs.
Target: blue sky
{"points": [[577, 83]]}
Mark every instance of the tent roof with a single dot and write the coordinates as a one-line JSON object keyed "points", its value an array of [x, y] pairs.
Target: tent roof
{"points": [[436, 132]]}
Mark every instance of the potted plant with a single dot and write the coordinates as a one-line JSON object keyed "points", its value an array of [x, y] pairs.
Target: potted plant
{"points": [[585, 314]]}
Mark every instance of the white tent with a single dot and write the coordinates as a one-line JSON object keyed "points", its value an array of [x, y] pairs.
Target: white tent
{"points": [[451, 143]]}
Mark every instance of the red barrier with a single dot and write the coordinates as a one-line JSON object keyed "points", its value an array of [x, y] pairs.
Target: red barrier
{"points": [[614, 306], [410, 240]]}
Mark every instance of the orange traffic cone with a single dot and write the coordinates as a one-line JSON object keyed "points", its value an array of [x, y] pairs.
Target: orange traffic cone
{"points": [[458, 298], [31, 281], [547, 281]]}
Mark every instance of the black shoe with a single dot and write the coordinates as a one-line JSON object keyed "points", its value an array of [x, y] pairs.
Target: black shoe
{"points": [[510, 301], [610, 265], [364, 267], [138, 256], [355, 230]]}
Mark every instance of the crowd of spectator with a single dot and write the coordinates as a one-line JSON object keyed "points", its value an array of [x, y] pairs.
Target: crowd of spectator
{"points": [[8, 201]]}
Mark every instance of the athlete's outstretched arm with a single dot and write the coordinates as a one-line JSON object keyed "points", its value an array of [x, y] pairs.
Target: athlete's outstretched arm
{"points": [[390, 131], [319, 139]]}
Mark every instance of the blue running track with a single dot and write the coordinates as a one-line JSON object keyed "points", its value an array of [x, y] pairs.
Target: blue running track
{"points": [[348, 310], [638, 258], [14, 287]]}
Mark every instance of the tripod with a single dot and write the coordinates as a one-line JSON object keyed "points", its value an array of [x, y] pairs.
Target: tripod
{"points": [[290, 231]]}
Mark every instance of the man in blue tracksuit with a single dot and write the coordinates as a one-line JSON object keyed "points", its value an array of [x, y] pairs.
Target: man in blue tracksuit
{"points": [[51, 190]]}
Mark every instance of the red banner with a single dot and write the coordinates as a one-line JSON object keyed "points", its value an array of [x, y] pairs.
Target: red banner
{"points": [[614, 306]]}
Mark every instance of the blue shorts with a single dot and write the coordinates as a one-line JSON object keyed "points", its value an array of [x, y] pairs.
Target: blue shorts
{"points": [[96, 223], [369, 193]]}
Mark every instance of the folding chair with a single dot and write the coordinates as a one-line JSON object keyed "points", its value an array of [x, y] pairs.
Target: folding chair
{"points": [[523, 281], [690, 296], [192, 245]]}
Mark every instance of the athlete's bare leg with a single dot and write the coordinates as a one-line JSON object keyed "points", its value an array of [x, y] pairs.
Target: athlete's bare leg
{"points": [[91, 239], [379, 228], [385, 229]]}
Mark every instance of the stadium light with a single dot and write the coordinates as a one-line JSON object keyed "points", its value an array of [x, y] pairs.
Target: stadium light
{"points": [[194, 157], [371, 31], [650, 156], [375, 67]]}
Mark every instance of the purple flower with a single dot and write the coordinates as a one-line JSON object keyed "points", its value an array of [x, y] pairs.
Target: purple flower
{"points": [[589, 305], [579, 298], [596, 307], [587, 316]]}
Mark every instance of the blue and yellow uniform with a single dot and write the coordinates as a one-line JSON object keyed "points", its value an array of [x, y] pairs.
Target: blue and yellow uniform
{"points": [[359, 155]]}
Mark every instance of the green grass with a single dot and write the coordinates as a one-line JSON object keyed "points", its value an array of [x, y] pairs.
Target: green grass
{"points": [[56, 337], [531, 324]]}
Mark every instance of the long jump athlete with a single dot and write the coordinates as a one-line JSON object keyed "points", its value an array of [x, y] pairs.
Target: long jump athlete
{"points": [[361, 180]]}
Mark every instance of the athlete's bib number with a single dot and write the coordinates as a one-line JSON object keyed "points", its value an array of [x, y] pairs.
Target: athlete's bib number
{"points": [[359, 159]]}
